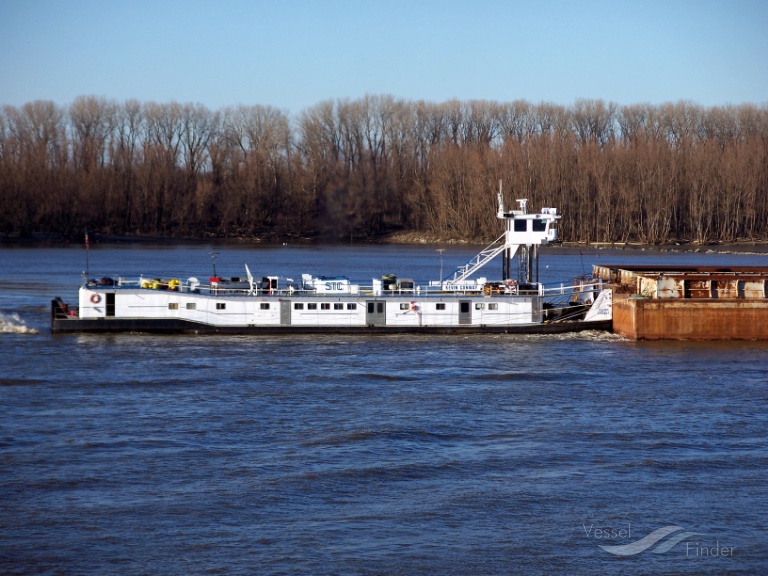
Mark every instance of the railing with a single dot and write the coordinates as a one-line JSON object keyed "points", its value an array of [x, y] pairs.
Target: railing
{"points": [[580, 287], [480, 260]]}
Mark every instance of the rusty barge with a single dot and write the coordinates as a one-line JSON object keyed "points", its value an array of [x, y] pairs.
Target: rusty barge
{"points": [[687, 302]]}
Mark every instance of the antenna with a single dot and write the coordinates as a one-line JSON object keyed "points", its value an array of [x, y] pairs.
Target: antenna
{"points": [[440, 251], [213, 260], [87, 249], [501, 202]]}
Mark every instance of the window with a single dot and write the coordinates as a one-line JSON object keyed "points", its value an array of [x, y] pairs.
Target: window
{"points": [[521, 225], [370, 307], [539, 225], [173, 306], [264, 306], [221, 306], [440, 306], [312, 306], [463, 307], [325, 306], [338, 306], [352, 306], [298, 305], [404, 306], [479, 305], [191, 306], [493, 306]]}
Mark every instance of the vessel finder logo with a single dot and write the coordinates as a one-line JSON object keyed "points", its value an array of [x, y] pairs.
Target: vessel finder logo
{"points": [[676, 535], [657, 542]]}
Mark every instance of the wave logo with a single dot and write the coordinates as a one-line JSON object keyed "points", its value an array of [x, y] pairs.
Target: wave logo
{"points": [[673, 534]]}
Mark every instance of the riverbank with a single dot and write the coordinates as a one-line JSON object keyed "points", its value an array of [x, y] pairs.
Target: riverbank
{"points": [[756, 247]]}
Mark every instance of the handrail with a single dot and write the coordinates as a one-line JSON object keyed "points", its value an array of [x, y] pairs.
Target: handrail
{"points": [[481, 259], [363, 290]]}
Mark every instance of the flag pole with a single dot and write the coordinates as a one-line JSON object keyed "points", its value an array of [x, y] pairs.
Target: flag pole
{"points": [[87, 267]]}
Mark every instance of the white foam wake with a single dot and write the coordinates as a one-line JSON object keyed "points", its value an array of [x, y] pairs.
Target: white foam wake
{"points": [[13, 324]]}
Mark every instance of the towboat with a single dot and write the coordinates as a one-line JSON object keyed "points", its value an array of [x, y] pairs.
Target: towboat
{"points": [[457, 304]]}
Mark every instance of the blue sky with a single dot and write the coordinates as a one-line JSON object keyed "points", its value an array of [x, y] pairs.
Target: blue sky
{"points": [[293, 54]]}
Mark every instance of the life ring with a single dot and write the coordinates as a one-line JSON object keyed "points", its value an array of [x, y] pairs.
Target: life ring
{"points": [[95, 298]]}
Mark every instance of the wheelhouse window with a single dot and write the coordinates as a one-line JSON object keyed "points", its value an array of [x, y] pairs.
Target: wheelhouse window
{"points": [[521, 225], [539, 225]]}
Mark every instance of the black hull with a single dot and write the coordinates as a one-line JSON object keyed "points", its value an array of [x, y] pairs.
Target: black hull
{"points": [[170, 326]]}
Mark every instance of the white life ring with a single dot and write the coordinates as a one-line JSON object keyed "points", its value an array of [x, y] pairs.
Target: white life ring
{"points": [[95, 298]]}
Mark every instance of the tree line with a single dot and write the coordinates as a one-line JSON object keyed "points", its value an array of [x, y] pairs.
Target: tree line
{"points": [[360, 169]]}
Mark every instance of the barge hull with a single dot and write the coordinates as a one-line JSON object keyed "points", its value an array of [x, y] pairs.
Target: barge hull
{"points": [[690, 319], [688, 302]]}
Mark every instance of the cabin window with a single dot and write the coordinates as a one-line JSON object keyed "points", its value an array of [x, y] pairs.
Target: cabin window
{"points": [[312, 306], [493, 306], [521, 225], [298, 305], [325, 306], [539, 225], [352, 306], [264, 306], [479, 305], [440, 306], [404, 306], [221, 306], [191, 305], [173, 306], [338, 306]]}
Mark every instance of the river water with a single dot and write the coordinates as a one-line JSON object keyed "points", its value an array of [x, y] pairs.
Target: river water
{"points": [[138, 454]]}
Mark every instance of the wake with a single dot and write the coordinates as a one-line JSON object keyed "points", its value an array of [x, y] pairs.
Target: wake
{"points": [[13, 324]]}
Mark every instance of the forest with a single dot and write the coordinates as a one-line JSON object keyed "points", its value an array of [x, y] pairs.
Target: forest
{"points": [[381, 167]]}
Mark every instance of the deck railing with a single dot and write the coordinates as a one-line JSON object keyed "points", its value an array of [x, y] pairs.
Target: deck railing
{"points": [[585, 287]]}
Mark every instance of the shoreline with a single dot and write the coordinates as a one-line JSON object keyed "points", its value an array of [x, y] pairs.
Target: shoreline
{"points": [[756, 247]]}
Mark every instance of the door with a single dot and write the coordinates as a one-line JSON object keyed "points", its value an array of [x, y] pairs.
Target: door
{"points": [[285, 311], [465, 312], [110, 304], [375, 313]]}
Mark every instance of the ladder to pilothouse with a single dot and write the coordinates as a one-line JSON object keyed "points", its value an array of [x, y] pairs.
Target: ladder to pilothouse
{"points": [[488, 254]]}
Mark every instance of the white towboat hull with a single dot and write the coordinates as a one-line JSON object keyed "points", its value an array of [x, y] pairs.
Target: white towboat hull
{"points": [[117, 309]]}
